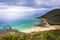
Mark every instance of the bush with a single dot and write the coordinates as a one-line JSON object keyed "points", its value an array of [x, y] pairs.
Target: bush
{"points": [[45, 35]]}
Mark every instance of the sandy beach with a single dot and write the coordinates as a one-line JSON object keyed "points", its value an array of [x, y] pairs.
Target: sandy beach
{"points": [[37, 29]]}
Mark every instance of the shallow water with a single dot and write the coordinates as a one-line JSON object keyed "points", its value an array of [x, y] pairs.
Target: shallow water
{"points": [[24, 23], [21, 24]]}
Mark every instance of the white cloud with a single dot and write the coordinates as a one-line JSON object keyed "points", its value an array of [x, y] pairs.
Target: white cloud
{"points": [[22, 2], [15, 12], [2, 3], [47, 2], [18, 9], [14, 2], [9, 13]]}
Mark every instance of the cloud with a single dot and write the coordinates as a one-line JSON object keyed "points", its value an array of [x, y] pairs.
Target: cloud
{"points": [[32, 3], [11, 10], [8, 13], [47, 3], [18, 2], [8, 8]]}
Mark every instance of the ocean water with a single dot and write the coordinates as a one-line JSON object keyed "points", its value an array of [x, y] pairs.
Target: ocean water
{"points": [[25, 23], [21, 24]]}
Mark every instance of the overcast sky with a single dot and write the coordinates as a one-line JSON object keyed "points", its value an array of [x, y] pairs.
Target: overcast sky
{"points": [[12, 9], [32, 3]]}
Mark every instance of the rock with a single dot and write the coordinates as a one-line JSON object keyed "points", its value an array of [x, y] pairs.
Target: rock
{"points": [[7, 27], [8, 30]]}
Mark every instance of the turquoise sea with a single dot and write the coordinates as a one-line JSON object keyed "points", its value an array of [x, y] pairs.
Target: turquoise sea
{"points": [[24, 23], [21, 24]]}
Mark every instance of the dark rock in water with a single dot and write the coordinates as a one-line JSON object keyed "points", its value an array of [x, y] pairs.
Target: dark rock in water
{"points": [[52, 17], [7, 27]]}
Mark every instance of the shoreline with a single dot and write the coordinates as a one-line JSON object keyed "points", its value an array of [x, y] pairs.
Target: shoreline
{"points": [[37, 29]]}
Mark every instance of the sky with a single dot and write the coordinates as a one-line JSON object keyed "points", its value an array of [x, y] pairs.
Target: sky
{"points": [[15, 9], [32, 3]]}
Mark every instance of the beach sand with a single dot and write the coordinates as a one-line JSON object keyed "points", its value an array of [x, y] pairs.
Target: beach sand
{"points": [[37, 29]]}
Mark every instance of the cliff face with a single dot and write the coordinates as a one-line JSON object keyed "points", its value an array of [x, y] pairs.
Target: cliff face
{"points": [[52, 17]]}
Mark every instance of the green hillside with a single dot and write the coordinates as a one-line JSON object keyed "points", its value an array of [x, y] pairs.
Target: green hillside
{"points": [[52, 17]]}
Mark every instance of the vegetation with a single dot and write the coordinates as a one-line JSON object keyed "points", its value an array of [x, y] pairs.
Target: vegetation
{"points": [[45, 35], [52, 17]]}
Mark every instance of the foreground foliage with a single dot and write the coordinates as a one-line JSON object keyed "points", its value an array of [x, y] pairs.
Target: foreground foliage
{"points": [[45, 35]]}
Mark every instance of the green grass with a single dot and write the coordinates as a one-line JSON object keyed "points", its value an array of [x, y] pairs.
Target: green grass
{"points": [[45, 35]]}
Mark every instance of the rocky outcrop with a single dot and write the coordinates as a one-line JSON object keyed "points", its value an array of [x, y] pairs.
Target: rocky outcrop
{"points": [[8, 30], [7, 27]]}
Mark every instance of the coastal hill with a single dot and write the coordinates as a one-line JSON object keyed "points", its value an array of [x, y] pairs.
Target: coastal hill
{"points": [[52, 17]]}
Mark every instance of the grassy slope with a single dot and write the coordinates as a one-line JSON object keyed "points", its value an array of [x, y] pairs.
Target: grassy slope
{"points": [[45, 35]]}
